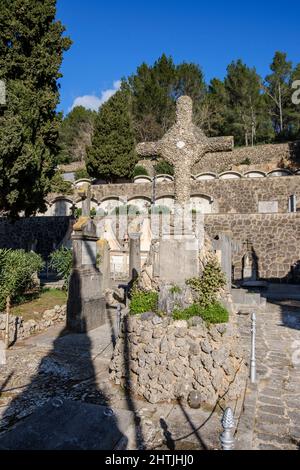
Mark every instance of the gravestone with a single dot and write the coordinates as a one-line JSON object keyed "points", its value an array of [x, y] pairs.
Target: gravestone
{"points": [[250, 267], [134, 255], [86, 308], [223, 246]]}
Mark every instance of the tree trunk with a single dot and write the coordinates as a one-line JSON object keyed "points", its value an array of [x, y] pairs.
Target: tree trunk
{"points": [[280, 108]]}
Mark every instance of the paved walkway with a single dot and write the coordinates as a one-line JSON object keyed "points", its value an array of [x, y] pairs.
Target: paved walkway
{"points": [[71, 367], [275, 403], [55, 366]]}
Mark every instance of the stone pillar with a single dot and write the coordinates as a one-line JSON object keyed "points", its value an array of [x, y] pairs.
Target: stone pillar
{"points": [[134, 255], [86, 207], [86, 308], [103, 263], [223, 247]]}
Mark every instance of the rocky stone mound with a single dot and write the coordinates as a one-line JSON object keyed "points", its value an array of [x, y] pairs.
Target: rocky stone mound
{"points": [[162, 360]]}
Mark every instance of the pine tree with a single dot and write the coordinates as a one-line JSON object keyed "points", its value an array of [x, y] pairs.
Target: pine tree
{"points": [[112, 153], [278, 90], [31, 50], [246, 112]]}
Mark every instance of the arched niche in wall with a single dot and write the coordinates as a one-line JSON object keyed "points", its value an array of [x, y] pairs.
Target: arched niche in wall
{"points": [[109, 204], [61, 207], [164, 178], [230, 175], [202, 203], [141, 202], [165, 201], [81, 182], [279, 172], [255, 174], [142, 179], [206, 176]]}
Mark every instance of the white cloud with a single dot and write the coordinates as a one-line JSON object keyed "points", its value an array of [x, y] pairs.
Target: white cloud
{"points": [[93, 101]]}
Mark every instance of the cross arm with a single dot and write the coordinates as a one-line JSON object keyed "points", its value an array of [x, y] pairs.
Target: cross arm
{"points": [[147, 149], [221, 144]]}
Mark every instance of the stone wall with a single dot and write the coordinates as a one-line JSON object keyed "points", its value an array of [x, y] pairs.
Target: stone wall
{"points": [[275, 239], [48, 231], [240, 195], [258, 155], [19, 329], [162, 360]]}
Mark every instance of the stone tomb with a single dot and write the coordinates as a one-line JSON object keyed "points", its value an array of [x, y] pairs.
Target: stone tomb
{"points": [[86, 308]]}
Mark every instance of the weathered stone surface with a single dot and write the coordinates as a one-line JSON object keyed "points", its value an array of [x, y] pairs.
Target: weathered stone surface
{"points": [[18, 329], [180, 360]]}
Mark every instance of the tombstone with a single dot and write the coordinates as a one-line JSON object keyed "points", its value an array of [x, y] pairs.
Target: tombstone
{"points": [[86, 308], [223, 246], [134, 255], [250, 269], [103, 263]]}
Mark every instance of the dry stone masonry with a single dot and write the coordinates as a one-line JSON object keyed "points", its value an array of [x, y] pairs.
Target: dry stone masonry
{"points": [[162, 360], [20, 329]]}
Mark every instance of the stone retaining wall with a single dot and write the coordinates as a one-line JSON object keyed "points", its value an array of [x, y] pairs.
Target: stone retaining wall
{"points": [[48, 231], [229, 196], [275, 239], [19, 329], [258, 155], [162, 360]]}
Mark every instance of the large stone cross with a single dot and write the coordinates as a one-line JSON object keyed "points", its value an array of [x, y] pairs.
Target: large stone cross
{"points": [[182, 146]]}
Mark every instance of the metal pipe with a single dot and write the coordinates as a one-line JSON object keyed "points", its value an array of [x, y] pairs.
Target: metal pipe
{"points": [[253, 349]]}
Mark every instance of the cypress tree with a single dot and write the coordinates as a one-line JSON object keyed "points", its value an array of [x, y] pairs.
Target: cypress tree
{"points": [[112, 155], [31, 51]]}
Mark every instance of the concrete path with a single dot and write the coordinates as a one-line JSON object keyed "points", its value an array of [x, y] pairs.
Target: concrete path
{"points": [[272, 407], [55, 367]]}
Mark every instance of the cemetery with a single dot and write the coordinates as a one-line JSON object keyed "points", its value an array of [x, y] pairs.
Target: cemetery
{"points": [[149, 255], [163, 281]]}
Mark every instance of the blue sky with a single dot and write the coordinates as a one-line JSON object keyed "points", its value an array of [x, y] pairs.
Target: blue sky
{"points": [[111, 38]]}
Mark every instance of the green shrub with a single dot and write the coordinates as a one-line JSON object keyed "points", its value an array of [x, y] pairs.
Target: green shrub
{"points": [[192, 311], [93, 212], [61, 262], [164, 168], [247, 161], [206, 288], [59, 185], [78, 212], [140, 171], [82, 174], [17, 270], [214, 313], [142, 301], [175, 289]]}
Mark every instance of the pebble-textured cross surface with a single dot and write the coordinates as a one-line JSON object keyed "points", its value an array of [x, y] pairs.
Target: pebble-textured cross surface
{"points": [[184, 145]]}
